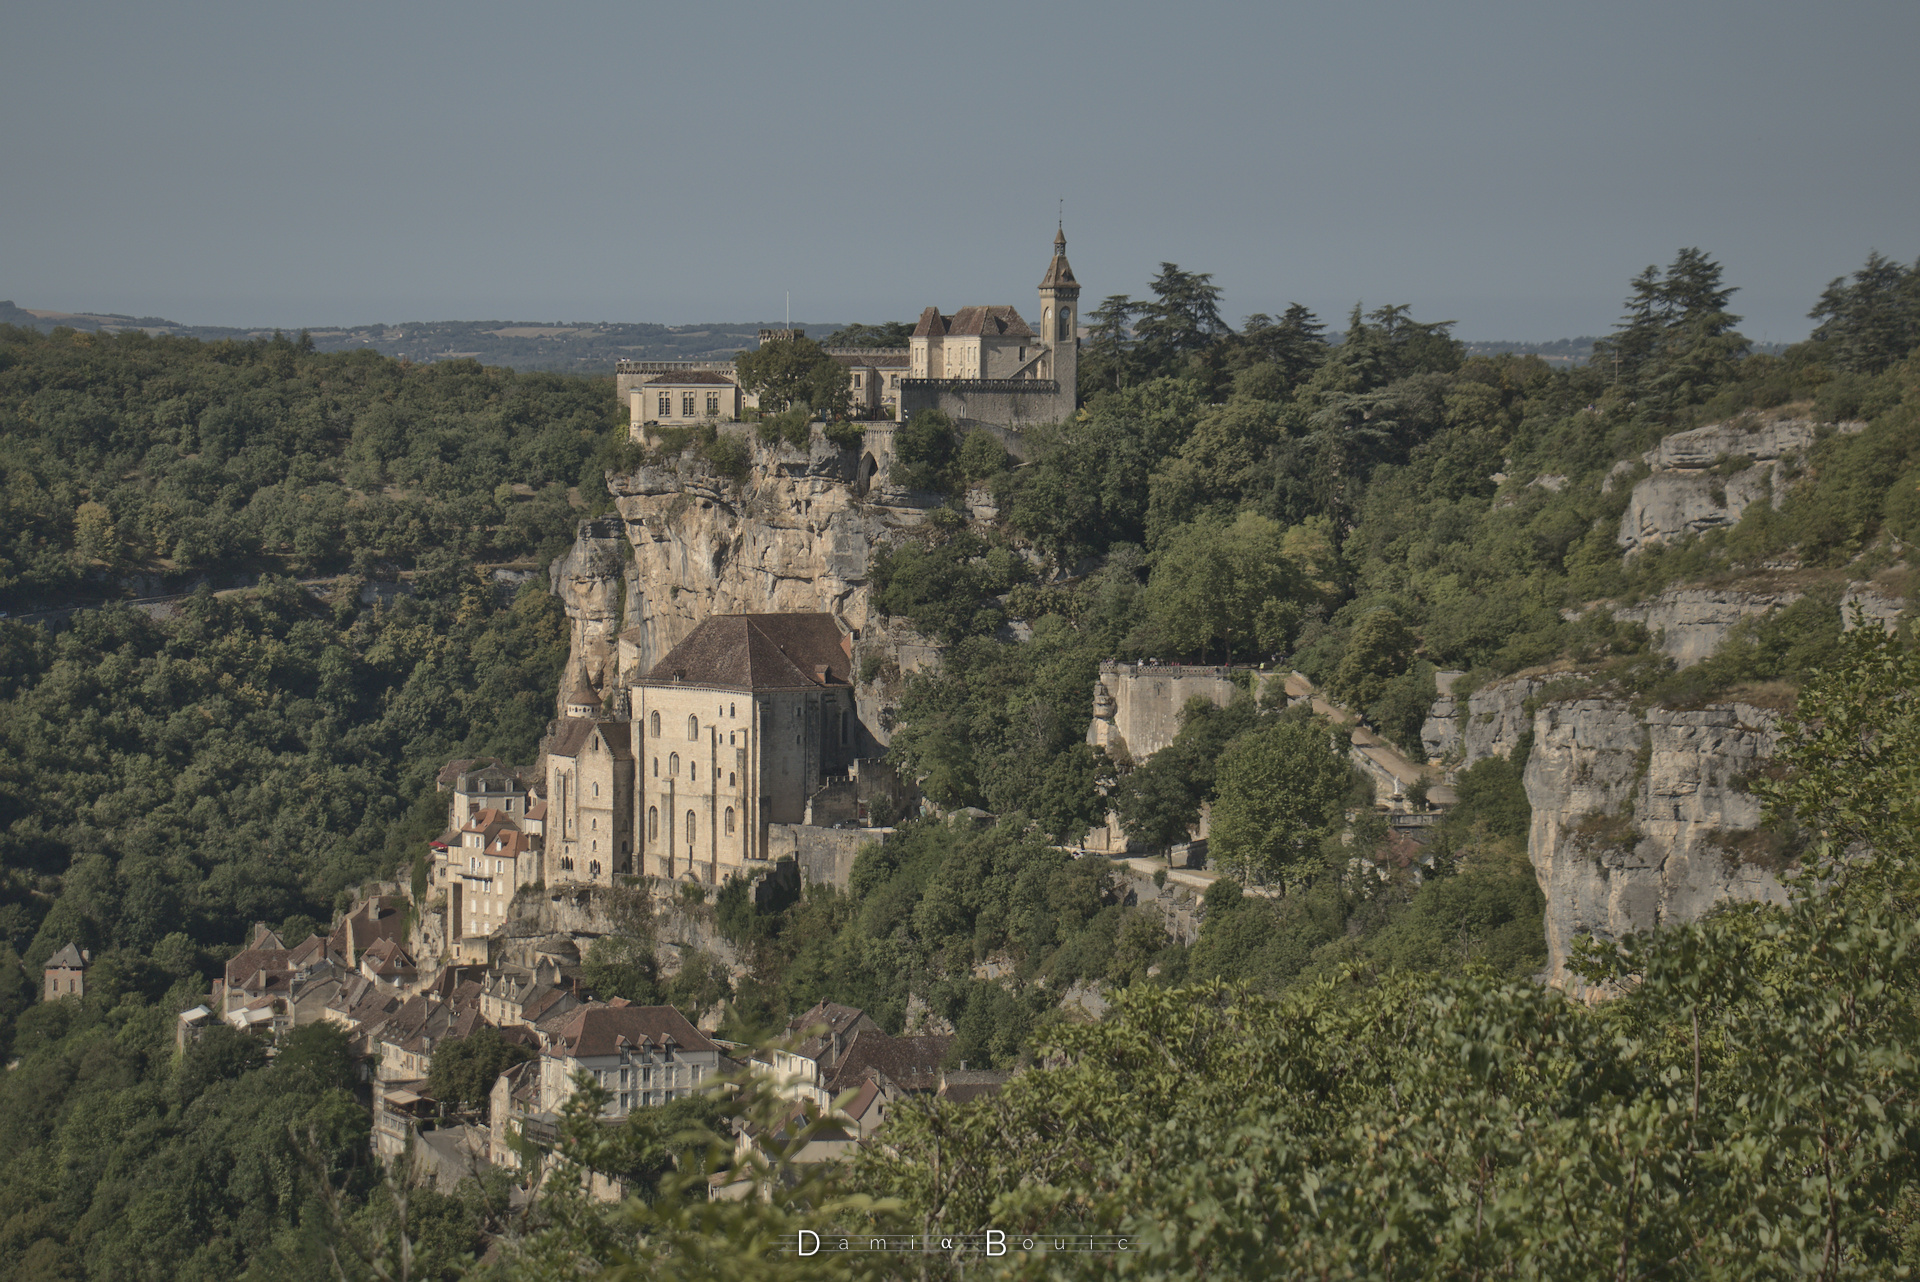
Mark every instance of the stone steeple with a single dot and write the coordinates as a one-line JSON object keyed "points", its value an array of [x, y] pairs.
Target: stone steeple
{"points": [[1059, 303]]}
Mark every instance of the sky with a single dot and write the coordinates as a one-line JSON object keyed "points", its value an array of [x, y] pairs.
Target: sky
{"points": [[1506, 166]]}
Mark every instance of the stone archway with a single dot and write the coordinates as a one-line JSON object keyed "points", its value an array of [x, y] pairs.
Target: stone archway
{"points": [[863, 478]]}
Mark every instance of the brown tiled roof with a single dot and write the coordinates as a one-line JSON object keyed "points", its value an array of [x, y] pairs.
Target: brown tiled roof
{"points": [[994, 322], [596, 1030], [690, 378], [387, 957], [932, 324], [246, 964], [584, 693], [538, 810], [377, 918], [265, 937], [454, 769], [912, 1063], [758, 652]]}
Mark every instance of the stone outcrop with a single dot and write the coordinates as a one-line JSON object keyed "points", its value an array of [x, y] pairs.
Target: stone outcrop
{"points": [[1496, 718], [1699, 482], [1876, 604], [597, 585], [1690, 624], [799, 533], [1440, 732], [1639, 820]]}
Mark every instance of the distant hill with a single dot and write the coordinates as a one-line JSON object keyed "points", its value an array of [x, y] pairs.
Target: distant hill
{"points": [[582, 347], [587, 347]]}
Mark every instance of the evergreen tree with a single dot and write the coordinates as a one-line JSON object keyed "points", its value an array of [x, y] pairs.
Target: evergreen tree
{"points": [[1874, 321]]}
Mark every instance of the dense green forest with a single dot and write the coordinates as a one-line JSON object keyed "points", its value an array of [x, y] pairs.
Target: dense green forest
{"points": [[180, 460]]}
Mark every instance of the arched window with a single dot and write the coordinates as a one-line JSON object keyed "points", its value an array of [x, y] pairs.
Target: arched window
{"points": [[673, 764], [730, 738], [653, 823], [656, 767], [730, 711], [689, 827], [693, 769], [730, 782], [729, 821], [596, 789], [693, 727], [653, 724]]}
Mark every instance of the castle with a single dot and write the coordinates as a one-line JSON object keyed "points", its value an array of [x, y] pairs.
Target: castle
{"points": [[982, 365]]}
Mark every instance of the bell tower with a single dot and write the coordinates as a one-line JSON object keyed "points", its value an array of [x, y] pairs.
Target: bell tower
{"points": [[1059, 322]]}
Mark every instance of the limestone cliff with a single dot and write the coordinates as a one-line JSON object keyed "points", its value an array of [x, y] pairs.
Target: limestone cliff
{"points": [[1690, 624], [1487, 724], [1705, 478], [798, 533], [1639, 820]]}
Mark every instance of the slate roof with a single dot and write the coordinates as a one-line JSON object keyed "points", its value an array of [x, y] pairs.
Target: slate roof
{"points": [[67, 958], [571, 738], [758, 652], [597, 1030], [998, 321], [1059, 274]]}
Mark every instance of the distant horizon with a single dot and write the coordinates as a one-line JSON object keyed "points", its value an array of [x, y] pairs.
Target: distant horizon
{"points": [[814, 329]]}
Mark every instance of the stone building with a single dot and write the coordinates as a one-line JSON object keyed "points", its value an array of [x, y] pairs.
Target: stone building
{"points": [[66, 973], [485, 783], [589, 821], [734, 730], [681, 397], [487, 863], [642, 1055], [984, 366], [873, 378]]}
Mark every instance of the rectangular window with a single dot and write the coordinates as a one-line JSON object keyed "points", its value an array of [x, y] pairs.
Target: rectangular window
{"points": [[686, 403], [856, 380], [666, 405], [713, 405]]}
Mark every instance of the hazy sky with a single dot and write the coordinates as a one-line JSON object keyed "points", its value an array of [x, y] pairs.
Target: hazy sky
{"points": [[1509, 166]]}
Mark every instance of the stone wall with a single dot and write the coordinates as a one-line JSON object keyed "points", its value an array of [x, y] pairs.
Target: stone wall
{"points": [[1139, 706], [825, 855]]}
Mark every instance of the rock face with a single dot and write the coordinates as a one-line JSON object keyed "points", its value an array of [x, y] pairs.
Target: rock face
{"points": [[1876, 604], [1440, 732], [798, 534], [1698, 484], [594, 582], [1496, 717], [1690, 624], [1638, 821]]}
